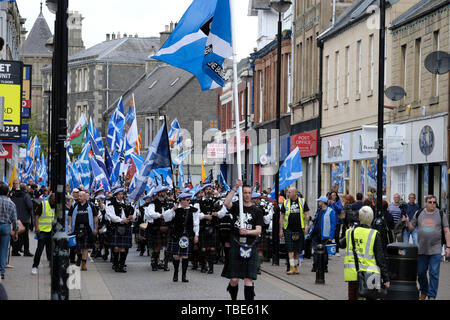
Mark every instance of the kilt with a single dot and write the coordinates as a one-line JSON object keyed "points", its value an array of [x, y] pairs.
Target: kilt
{"points": [[224, 236], [294, 246], [207, 240], [238, 267], [174, 248], [262, 244], [148, 237], [159, 239], [119, 241], [85, 240]]}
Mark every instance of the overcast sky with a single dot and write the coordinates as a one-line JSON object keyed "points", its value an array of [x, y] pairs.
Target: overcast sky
{"points": [[144, 17]]}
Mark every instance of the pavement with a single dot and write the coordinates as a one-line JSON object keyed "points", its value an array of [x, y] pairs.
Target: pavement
{"points": [[100, 282]]}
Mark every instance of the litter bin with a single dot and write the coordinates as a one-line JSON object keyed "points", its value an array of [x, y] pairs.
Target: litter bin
{"points": [[402, 265]]}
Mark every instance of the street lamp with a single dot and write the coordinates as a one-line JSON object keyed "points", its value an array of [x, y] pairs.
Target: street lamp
{"points": [[279, 6], [246, 76], [60, 243]]}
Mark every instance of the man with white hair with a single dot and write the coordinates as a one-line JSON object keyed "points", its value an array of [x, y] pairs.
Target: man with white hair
{"points": [[369, 251]]}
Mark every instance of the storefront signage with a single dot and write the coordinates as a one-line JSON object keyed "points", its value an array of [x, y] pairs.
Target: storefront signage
{"points": [[11, 74], [306, 143], [336, 148]]}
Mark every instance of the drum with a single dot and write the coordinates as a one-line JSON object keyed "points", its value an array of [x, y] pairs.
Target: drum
{"points": [[142, 228]]}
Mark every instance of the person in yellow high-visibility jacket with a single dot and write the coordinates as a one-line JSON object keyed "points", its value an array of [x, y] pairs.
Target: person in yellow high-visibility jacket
{"points": [[44, 216], [293, 216], [369, 250]]}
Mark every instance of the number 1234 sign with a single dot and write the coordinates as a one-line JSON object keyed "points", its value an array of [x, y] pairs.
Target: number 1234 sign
{"points": [[11, 98]]}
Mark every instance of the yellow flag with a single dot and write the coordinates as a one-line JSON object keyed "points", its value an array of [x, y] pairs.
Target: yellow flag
{"points": [[203, 172], [13, 177]]}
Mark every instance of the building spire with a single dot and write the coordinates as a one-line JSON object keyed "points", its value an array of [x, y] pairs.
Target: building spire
{"points": [[41, 6]]}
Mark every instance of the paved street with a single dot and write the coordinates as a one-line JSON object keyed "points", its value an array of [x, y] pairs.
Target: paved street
{"points": [[100, 282]]}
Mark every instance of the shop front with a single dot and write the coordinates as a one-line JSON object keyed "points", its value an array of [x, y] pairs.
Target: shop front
{"points": [[336, 163], [417, 158]]}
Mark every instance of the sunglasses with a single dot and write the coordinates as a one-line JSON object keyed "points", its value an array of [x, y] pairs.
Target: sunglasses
{"points": [[432, 202]]}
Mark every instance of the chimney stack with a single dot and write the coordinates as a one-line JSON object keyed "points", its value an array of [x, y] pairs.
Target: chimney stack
{"points": [[113, 36], [118, 35], [108, 37], [136, 35], [165, 34], [171, 26]]}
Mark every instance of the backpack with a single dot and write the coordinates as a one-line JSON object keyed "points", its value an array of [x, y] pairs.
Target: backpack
{"points": [[419, 212]]}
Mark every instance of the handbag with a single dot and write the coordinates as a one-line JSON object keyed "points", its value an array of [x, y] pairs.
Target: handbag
{"points": [[369, 283]]}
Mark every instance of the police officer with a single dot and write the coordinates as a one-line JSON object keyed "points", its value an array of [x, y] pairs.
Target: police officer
{"points": [[121, 216], [208, 229], [184, 233], [159, 228]]}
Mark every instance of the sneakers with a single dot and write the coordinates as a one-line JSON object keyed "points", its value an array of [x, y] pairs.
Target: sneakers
{"points": [[337, 254], [34, 271]]}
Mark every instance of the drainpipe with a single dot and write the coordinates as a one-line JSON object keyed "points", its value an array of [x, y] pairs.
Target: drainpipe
{"points": [[319, 140]]}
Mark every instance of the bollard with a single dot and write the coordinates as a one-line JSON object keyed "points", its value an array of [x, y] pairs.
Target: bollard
{"points": [[320, 271]]}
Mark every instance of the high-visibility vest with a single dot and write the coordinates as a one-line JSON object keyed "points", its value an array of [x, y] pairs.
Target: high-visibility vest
{"points": [[287, 206], [46, 219], [364, 242]]}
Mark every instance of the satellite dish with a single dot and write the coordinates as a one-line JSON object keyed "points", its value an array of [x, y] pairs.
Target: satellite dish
{"points": [[395, 93], [438, 62], [264, 159]]}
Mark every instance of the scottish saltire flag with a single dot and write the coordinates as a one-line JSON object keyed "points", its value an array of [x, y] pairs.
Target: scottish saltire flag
{"points": [[289, 172], [201, 42], [43, 172], [174, 134], [37, 147], [130, 132], [115, 128], [223, 181], [157, 157], [115, 174], [97, 136], [108, 163], [82, 164], [179, 158], [97, 155], [180, 176], [100, 180]]}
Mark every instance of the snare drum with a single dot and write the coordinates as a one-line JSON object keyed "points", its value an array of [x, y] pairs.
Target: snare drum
{"points": [[142, 228]]}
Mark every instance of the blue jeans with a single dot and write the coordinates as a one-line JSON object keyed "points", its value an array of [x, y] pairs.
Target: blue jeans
{"points": [[433, 263], [407, 234], [5, 234]]}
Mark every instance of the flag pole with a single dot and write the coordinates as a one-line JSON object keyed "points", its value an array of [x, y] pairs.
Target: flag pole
{"points": [[170, 159], [236, 108]]}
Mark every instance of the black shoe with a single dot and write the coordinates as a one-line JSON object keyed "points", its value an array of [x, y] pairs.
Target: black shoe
{"points": [[121, 269], [154, 267], [184, 279], [28, 254], [16, 254], [313, 270], [166, 268], [175, 278], [204, 269], [20, 250], [141, 253], [3, 277], [326, 270], [211, 269], [259, 271]]}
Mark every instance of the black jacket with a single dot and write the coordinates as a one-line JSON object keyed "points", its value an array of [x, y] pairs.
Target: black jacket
{"points": [[378, 252], [24, 206]]}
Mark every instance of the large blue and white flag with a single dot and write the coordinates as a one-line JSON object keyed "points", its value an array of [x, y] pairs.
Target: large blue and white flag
{"points": [[96, 134], [100, 180], [290, 171], [201, 42], [223, 181], [82, 164], [108, 163], [115, 128], [97, 155], [130, 131], [157, 157]]}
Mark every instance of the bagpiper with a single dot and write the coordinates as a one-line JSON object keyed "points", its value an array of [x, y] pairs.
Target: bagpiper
{"points": [[121, 216], [184, 232]]}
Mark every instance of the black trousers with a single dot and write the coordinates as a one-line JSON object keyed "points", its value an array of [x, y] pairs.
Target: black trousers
{"points": [[23, 241], [44, 240]]}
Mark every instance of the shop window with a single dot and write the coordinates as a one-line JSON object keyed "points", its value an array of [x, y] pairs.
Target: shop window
{"points": [[340, 177]]}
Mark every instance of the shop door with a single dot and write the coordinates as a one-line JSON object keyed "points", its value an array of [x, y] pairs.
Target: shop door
{"points": [[429, 182]]}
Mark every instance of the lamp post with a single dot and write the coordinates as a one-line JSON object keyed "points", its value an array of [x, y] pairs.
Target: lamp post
{"points": [[279, 6], [60, 243], [246, 76]]}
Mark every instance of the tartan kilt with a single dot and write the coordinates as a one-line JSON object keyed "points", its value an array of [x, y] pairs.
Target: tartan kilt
{"points": [[159, 239], [209, 240], [119, 241], [85, 240], [238, 267], [262, 244], [174, 248], [294, 246]]}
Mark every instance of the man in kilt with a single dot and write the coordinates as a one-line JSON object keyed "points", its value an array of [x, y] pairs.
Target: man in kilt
{"points": [[103, 227], [195, 201], [209, 235], [145, 241], [184, 227], [267, 210], [96, 253], [121, 217], [83, 222], [243, 262], [159, 229]]}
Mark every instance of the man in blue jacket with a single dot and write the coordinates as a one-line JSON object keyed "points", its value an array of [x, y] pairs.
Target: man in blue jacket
{"points": [[323, 229]]}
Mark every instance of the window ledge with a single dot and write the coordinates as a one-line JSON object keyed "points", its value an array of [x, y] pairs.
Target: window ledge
{"points": [[358, 96], [335, 105], [326, 107], [415, 104], [370, 93], [434, 100], [346, 101]]}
